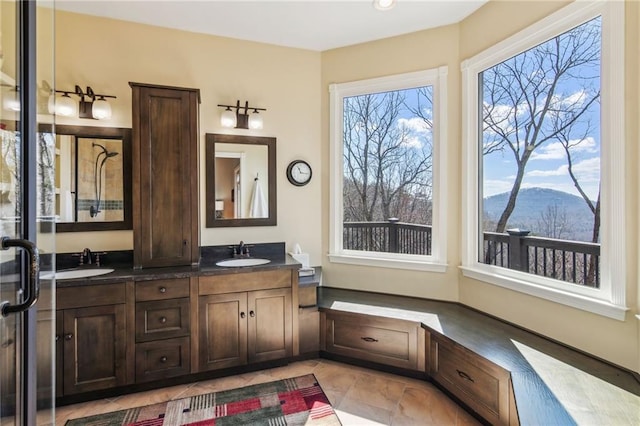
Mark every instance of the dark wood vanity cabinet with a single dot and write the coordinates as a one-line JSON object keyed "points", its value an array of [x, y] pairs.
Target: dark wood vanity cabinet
{"points": [[165, 175], [91, 337], [162, 329], [238, 327]]}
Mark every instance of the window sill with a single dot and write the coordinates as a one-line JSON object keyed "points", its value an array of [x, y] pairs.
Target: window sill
{"points": [[589, 304], [399, 263]]}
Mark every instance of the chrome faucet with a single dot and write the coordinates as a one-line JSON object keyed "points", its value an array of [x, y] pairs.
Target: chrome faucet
{"points": [[240, 249], [86, 253]]}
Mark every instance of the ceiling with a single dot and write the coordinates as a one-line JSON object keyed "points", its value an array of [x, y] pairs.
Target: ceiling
{"points": [[307, 24]]}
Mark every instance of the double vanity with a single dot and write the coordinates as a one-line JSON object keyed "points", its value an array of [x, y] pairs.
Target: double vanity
{"points": [[134, 329]]}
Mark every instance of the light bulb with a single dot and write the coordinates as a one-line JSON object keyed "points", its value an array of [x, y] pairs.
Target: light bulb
{"points": [[228, 118], [101, 109], [384, 4], [66, 106], [255, 121]]}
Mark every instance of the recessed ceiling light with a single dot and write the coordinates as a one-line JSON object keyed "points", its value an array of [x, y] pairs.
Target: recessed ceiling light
{"points": [[384, 4]]}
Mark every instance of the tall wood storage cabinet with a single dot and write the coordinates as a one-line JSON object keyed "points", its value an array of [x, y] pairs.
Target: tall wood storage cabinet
{"points": [[165, 175]]}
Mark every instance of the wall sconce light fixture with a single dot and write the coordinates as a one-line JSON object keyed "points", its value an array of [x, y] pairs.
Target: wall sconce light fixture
{"points": [[90, 105], [239, 119]]}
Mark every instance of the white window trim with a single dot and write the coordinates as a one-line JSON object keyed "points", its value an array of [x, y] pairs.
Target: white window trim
{"points": [[609, 301], [437, 261]]}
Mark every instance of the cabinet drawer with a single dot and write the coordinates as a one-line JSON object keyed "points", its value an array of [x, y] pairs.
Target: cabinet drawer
{"points": [[162, 319], [244, 281], [161, 359], [162, 289], [90, 295], [383, 340], [480, 384]]}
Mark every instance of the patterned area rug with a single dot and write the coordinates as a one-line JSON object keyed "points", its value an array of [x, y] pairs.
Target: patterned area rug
{"points": [[296, 401]]}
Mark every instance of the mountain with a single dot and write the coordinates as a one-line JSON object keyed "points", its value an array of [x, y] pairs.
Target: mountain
{"points": [[532, 203]]}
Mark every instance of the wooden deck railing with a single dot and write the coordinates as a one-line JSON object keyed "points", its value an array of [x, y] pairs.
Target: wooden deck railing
{"points": [[571, 261]]}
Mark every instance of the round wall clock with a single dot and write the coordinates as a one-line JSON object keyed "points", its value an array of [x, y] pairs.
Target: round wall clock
{"points": [[299, 172]]}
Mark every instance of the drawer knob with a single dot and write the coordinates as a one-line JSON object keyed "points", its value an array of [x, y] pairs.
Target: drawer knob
{"points": [[163, 320], [163, 359], [162, 289], [369, 339], [465, 376]]}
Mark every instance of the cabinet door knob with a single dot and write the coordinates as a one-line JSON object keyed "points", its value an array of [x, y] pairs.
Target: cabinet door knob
{"points": [[57, 337], [163, 320], [242, 315], [163, 359], [68, 336], [252, 314]]}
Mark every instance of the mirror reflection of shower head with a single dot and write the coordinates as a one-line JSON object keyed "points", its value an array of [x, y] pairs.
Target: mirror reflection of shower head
{"points": [[97, 176]]}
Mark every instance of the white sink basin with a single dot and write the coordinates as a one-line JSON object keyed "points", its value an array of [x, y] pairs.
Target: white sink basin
{"points": [[237, 263], [76, 273]]}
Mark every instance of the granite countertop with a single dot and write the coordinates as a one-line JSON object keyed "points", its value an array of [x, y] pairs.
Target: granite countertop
{"points": [[124, 271]]}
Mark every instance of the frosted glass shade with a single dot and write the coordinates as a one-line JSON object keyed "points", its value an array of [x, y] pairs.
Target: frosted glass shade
{"points": [[11, 101], [51, 104], [66, 106], [255, 121], [101, 109], [228, 118]]}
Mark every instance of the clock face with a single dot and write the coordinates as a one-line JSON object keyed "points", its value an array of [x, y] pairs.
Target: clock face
{"points": [[299, 172]]}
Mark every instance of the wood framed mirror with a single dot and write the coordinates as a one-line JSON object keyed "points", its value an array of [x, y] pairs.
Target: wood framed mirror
{"points": [[93, 177], [241, 180]]}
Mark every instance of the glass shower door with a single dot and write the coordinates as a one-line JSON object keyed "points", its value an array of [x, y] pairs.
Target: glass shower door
{"points": [[27, 198]]}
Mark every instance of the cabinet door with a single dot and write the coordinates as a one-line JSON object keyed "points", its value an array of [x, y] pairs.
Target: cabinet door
{"points": [[269, 324], [94, 348], [165, 165], [223, 330]]}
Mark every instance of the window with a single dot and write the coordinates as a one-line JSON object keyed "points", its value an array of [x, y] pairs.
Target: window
{"points": [[386, 155], [543, 133]]}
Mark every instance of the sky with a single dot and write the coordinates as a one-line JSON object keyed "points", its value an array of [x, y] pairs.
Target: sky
{"points": [[548, 165]]}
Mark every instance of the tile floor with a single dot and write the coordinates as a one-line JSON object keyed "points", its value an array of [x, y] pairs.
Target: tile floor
{"points": [[359, 396]]}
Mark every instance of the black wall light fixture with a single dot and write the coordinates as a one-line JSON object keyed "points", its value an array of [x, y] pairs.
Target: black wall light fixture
{"points": [[91, 104], [239, 119]]}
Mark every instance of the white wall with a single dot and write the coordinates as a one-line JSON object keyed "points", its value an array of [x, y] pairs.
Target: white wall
{"points": [[107, 54]]}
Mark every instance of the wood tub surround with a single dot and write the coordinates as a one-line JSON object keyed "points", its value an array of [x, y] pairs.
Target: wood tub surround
{"points": [[503, 373]]}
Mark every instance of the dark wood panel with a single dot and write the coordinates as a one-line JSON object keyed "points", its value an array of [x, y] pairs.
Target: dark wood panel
{"points": [[478, 383], [162, 289], [162, 319], [307, 296], [245, 281], [269, 324], [309, 319], [165, 170], [94, 348], [162, 359], [383, 340], [84, 296], [223, 330]]}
